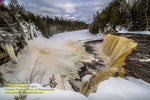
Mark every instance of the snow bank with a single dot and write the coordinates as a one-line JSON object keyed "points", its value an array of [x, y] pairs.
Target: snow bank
{"points": [[53, 95], [123, 30], [122, 89], [111, 89], [134, 32], [139, 32], [56, 95]]}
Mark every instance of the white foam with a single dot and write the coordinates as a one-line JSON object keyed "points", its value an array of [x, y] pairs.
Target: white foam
{"points": [[52, 55]]}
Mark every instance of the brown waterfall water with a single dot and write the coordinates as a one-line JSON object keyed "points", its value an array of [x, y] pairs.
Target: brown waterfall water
{"points": [[114, 50]]}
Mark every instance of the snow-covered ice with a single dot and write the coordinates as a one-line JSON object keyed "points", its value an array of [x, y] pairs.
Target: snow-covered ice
{"points": [[75, 35]]}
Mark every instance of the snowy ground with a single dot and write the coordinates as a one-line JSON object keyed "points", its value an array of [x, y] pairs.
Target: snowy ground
{"points": [[122, 89], [134, 32], [48, 52], [111, 89]]}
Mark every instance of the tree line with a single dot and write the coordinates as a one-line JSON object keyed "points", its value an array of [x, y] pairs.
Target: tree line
{"points": [[133, 15], [47, 25]]}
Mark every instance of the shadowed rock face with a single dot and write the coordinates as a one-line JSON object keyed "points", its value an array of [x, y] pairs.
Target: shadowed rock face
{"points": [[138, 62]]}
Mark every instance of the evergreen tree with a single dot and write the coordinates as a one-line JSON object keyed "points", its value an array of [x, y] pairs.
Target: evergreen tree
{"points": [[134, 16]]}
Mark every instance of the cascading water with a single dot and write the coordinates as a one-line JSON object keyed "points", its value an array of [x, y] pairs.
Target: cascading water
{"points": [[116, 49], [63, 59]]}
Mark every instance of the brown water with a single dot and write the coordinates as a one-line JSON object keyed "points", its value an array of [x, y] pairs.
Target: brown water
{"points": [[114, 50]]}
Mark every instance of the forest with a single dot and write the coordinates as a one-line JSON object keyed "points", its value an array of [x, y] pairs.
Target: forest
{"points": [[47, 25], [133, 15]]}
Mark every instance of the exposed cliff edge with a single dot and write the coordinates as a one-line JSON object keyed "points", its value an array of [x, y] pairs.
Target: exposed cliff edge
{"points": [[115, 49]]}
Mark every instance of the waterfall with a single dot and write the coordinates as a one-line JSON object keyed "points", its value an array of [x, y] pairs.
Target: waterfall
{"points": [[116, 48]]}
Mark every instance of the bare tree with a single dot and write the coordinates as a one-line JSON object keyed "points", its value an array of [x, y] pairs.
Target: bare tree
{"points": [[32, 73], [16, 7], [36, 75], [20, 97], [52, 82], [13, 4]]}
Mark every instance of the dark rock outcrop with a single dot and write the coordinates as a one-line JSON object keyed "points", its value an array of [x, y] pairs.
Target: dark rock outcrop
{"points": [[138, 62], [89, 68]]}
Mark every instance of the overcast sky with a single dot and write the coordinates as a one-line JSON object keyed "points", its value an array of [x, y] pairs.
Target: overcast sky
{"points": [[69, 9]]}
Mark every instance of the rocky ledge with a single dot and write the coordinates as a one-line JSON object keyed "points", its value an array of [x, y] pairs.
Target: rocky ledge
{"points": [[138, 62]]}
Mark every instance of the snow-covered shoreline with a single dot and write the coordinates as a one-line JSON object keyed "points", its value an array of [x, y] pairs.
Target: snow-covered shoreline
{"points": [[134, 32], [115, 88]]}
